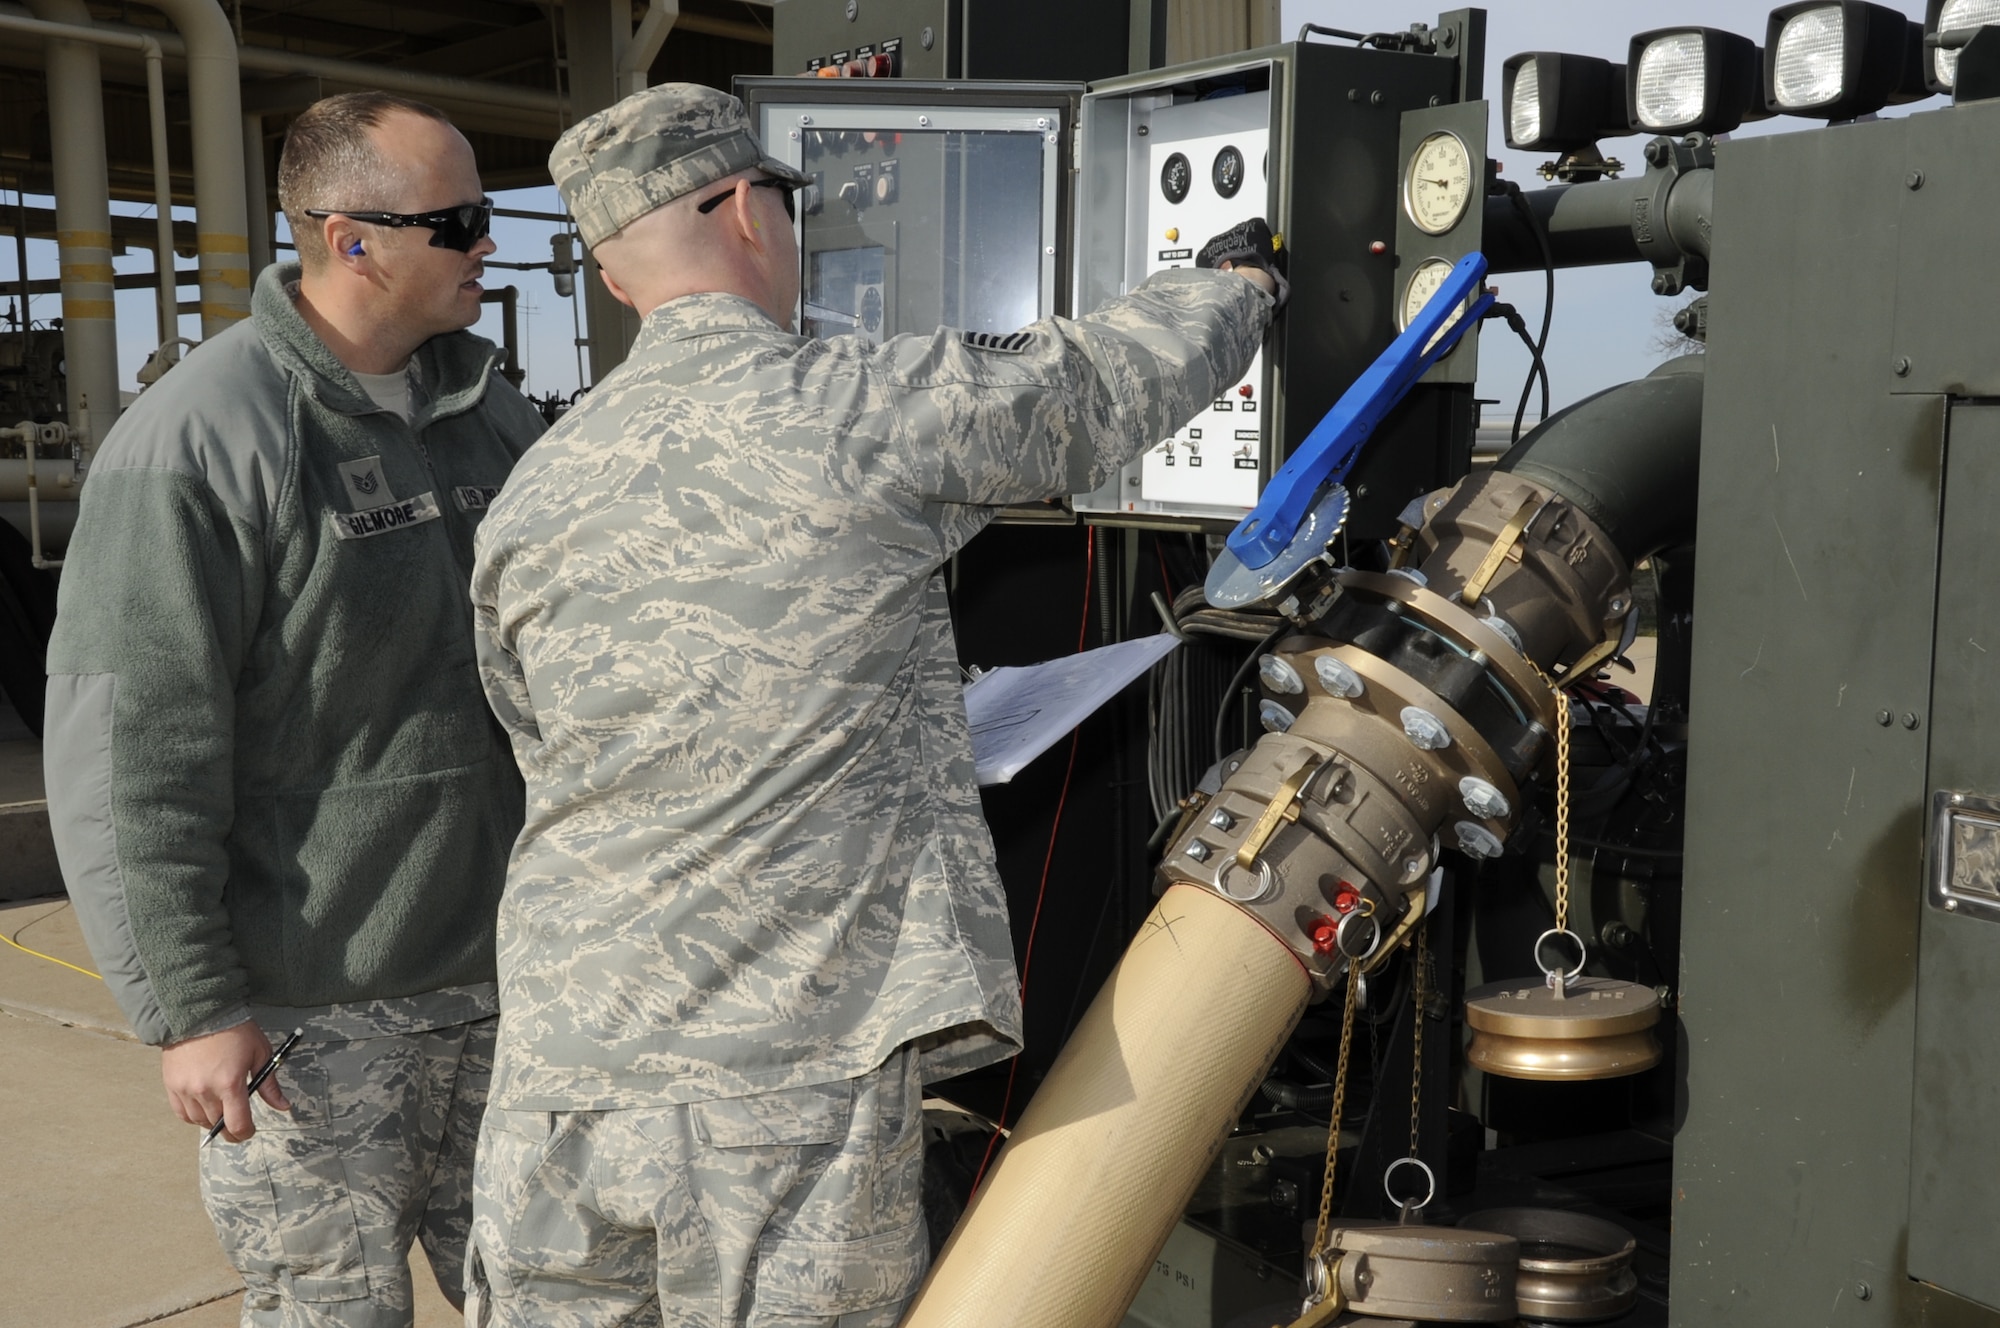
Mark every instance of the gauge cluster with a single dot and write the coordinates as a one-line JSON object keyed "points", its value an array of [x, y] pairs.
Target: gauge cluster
{"points": [[1439, 216]]}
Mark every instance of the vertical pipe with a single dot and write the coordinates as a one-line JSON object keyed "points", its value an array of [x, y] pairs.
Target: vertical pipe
{"points": [[83, 215], [163, 200], [257, 193], [21, 257], [215, 101], [510, 298], [35, 556], [596, 34]]}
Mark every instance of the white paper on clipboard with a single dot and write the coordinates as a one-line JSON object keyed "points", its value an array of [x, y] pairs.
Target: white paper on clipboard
{"points": [[1019, 713]]}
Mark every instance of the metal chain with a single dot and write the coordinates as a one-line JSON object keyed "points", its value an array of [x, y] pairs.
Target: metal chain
{"points": [[1339, 1105], [1562, 799], [1422, 995]]}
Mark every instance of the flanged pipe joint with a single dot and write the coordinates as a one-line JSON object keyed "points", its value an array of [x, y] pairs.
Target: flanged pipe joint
{"points": [[1407, 716]]}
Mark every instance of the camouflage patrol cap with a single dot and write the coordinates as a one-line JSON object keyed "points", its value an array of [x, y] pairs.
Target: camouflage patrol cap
{"points": [[614, 167]]}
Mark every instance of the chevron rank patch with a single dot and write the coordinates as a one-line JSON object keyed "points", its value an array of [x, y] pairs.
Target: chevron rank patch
{"points": [[367, 487], [1012, 343]]}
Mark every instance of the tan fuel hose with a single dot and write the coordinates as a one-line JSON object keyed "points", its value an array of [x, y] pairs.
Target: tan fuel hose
{"points": [[1134, 1109]]}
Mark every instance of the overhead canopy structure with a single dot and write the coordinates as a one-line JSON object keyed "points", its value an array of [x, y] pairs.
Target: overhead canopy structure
{"points": [[496, 66], [512, 75]]}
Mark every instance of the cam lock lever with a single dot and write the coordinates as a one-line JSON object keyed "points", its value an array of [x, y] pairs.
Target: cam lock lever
{"points": [[1305, 504], [1323, 1281], [1325, 1312], [1282, 809]]}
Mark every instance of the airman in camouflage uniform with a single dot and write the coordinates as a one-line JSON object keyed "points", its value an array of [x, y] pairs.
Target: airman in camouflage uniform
{"points": [[274, 783], [754, 904]]}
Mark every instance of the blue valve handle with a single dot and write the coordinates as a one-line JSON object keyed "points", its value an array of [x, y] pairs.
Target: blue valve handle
{"points": [[1331, 449]]}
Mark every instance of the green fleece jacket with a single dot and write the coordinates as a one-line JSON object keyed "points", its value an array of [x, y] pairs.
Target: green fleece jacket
{"points": [[271, 771]]}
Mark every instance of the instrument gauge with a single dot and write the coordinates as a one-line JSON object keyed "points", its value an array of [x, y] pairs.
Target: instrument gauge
{"points": [[1424, 283], [1437, 183], [1175, 177], [1227, 173]]}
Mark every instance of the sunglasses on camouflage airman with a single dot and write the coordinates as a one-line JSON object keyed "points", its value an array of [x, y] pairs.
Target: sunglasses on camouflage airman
{"points": [[768, 182], [457, 228]]}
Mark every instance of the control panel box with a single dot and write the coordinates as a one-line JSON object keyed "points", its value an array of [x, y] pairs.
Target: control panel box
{"points": [[1310, 136], [929, 205]]}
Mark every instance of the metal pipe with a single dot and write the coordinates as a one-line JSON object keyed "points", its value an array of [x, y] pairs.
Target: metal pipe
{"points": [[257, 193], [1605, 221], [156, 108], [645, 45], [215, 103], [1587, 224], [29, 435], [35, 557], [21, 259], [14, 485], [508, 298], [167, 302], [1689, 209], [58, 522], [83, 208]]}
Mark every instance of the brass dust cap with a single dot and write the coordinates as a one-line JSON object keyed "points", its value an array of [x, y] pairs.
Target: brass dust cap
{"points": [[1601, 1029]]}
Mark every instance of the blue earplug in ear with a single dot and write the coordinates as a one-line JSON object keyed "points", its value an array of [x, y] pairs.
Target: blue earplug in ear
{"points": [[354, 248]]}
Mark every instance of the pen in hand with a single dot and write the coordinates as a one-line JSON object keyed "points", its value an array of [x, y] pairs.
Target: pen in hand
{"points": [[257, 1079]]}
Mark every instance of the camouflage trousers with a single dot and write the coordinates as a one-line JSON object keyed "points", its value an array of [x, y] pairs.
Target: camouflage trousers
{"points": [[776, 1210], [317, 1209]]}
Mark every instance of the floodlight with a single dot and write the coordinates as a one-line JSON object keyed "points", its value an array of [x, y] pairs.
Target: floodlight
{"points": [[1559, 103], [1839, 59], [1693, 80], [1941, 63]]}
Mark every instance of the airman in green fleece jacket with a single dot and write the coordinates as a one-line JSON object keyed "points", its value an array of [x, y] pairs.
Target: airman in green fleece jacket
{"points": [[279, 798]]}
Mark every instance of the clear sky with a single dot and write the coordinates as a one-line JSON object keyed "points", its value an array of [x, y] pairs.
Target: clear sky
{"points": [[1607, 326]]}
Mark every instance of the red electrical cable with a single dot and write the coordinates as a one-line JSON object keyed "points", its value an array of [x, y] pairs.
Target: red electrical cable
{"points": [[1041, 891]]}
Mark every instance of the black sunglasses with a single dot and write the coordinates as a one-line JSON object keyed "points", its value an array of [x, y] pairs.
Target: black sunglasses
{"points": [[768, 182], [457, 228]]}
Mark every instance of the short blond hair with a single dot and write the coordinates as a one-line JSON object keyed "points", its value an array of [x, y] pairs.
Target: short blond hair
{"points": [[330, 163]]}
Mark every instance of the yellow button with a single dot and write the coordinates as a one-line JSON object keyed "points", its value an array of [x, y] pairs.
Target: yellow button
{"points": [[1173, 233]]}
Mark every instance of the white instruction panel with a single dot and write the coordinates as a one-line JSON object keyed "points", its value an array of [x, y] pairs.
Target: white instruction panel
{"points": [[1163, 170], [1202, 184]]}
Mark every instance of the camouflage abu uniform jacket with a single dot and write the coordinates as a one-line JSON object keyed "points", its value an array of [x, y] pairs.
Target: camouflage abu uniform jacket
{"points": [[710, 616]]}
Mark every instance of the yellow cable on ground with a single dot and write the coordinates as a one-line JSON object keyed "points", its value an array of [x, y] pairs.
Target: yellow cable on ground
{"points": [[51, 958]]}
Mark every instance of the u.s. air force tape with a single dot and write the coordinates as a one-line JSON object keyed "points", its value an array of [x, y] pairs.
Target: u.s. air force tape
{"points": [[381, 520]]}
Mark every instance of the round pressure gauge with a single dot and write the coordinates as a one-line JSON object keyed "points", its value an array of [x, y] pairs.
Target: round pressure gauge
{"points": [[1437, 184], [1175, 177], [1424, 282], [1228, 172]]}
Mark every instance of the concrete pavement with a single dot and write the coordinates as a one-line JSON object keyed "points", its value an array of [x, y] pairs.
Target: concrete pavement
{"points": [[101, 1224]]}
